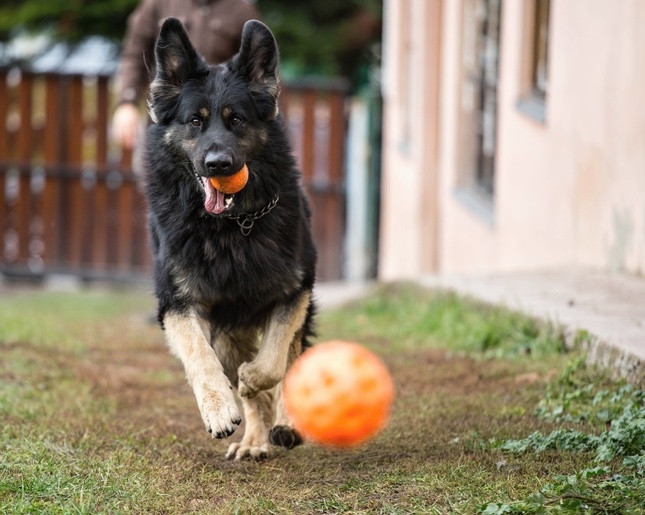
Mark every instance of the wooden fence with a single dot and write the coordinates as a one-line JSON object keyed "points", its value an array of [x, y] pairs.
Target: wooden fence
{"points": [[69, 202]]}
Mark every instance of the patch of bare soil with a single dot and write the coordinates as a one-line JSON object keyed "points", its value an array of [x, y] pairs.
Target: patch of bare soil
{"points": [[131, 367]]}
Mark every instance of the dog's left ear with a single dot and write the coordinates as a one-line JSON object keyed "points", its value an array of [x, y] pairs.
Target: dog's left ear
{"points": [[257, 62]]}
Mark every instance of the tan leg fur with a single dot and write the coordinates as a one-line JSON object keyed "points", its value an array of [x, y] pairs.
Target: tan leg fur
{"points": [[270, 365], [188, 337]]}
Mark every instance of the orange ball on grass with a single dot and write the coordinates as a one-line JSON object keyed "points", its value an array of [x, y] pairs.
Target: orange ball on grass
{"points": [[338, 394]]}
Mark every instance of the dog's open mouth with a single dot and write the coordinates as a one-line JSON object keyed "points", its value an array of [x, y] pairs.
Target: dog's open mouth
{"points": [[216, 202]]}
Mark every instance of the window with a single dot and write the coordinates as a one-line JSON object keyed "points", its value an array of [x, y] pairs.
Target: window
{"points": [[480, 60], [539, 69], [535, 80]]}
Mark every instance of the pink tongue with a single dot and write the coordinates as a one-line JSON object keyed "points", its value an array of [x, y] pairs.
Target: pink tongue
{"points": [[214, 199]]}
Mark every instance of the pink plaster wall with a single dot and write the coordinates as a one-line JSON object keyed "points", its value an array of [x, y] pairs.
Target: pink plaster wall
{"points": [[570, 191]]}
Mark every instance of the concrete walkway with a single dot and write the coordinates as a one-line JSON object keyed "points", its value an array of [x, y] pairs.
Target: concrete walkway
{"points": [[609, 309]]}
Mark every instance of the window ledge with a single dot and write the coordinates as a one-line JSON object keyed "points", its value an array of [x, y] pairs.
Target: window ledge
{"points": [[477, 202], [534, 107]]}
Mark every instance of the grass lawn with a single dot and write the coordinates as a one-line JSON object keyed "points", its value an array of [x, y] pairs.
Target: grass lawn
{"points": [[492, 415]]}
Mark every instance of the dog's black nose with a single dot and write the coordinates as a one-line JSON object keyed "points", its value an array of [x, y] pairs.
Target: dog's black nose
{"points": [[218, 163]]}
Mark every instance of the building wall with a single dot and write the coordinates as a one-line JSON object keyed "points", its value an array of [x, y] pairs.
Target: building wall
{"points": [[568, 191], [410, 137]]}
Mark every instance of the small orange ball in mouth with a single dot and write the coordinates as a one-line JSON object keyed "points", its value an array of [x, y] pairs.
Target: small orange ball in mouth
{"points": [[230, 184]]}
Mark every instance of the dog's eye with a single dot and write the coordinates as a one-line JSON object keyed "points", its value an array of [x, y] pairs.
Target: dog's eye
{"points": [[236, 120], [195, 122]]}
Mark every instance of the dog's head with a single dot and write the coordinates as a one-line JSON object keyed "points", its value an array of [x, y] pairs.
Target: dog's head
{"points": [[215, 117]]}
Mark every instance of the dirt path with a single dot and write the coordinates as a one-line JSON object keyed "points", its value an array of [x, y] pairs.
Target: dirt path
{"points": [[147, 384]]}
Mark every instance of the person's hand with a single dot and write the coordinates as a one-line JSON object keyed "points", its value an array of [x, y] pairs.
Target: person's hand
{"points": [[125, 125]]}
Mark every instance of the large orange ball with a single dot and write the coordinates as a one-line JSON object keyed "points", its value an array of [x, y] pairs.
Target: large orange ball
{"points": [[230, 184], [338, 393]]}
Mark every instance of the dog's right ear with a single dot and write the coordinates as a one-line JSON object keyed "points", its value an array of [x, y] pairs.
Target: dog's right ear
{"points": [[176, 61], [257, 62]]}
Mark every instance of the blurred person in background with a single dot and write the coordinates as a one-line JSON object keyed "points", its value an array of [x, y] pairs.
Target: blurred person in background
{"points": [[214, 27]]}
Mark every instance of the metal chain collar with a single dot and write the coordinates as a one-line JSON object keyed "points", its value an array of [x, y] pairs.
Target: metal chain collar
{"points": [[246, 221]]}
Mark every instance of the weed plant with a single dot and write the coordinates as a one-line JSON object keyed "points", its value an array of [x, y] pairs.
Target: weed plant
{"points": [[611, 421]]}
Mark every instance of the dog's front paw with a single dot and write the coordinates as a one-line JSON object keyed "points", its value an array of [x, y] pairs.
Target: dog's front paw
{"points": [[253, 379], [219, 411], [284, 436]]}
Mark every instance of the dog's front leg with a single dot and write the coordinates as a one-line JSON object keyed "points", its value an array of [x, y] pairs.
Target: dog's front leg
{"points": [[188, 337], [270, 365]]}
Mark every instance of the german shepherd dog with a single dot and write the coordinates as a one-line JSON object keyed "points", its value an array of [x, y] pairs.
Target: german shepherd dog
{"points": [[233, 272]]}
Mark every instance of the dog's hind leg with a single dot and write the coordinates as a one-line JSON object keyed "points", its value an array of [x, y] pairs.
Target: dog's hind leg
{"points": [[282, 433], [270, 365], [258, 415], [188, 337]]}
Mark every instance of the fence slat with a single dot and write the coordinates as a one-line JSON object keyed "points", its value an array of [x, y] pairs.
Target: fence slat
{"points": [[25, 199], [334, 205], [76, 215], [51, 155], [307, 152], [126, 212], [4, 158], [99, 240]]}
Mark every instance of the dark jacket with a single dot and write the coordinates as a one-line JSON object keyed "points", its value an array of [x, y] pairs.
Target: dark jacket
{"points": [[214, 27]]}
